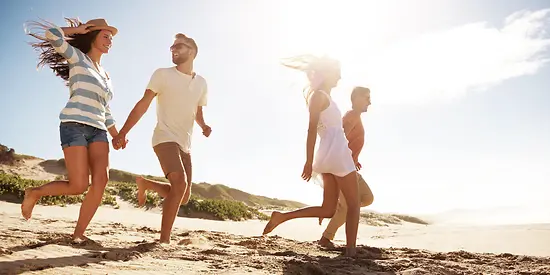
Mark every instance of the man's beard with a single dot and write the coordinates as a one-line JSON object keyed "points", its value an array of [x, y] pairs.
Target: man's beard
{"points": [[180, 59]]}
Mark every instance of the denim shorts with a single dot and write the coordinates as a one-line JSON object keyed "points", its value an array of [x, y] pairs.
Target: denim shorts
{"points": [[78, 134]]}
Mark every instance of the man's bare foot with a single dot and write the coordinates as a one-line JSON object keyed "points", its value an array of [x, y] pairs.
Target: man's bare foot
{"points": [[28, 203], [140, 181], [326, 243], [186, 195], [274, 221]]}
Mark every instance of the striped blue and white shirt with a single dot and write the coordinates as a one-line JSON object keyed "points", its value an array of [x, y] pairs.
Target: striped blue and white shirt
{"points": [[90, 91]]}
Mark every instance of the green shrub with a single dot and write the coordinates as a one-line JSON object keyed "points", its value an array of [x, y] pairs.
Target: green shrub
{"points": [[218, 209], [213, 208], [128, 192], [223, 209]]}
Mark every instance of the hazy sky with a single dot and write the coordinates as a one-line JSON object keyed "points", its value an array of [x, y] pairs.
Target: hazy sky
{"points": [[460, 92]]}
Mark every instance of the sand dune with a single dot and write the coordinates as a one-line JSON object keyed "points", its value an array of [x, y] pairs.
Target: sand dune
{"points": [[36, 169]]}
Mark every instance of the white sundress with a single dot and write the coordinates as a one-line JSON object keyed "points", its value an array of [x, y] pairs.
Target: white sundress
{"points": [[333, 155]]}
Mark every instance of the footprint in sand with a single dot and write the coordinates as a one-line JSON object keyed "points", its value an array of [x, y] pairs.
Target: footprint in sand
{"points": [[193, 241], [214, 252], [120, 255], [5, 252], [146, 229], [48, 221]]}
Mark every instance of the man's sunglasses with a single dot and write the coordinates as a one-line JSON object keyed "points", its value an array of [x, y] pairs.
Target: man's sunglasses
{"points": [[178, 46]]}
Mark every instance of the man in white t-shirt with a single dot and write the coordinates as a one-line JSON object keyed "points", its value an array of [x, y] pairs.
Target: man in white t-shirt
{"points": [[181, 94]]}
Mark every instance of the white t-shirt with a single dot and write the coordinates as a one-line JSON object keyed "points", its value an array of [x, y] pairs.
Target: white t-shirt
{"points": [[178, 96]]}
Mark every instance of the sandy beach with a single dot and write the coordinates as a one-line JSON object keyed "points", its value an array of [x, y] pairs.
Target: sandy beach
{"points": [[124, 243]]}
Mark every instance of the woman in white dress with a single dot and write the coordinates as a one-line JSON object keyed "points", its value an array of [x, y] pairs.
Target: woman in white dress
{"points": [[333, 159]]}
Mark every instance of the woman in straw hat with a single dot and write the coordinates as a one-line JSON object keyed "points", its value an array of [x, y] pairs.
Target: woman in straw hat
{"points": [[333, 159], [74, 54]]}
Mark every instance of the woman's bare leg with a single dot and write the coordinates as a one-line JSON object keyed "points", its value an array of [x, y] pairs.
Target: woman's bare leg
{"points": [[348, 186], [366, 198], [76, 161], [99, 164], [330, 199]]}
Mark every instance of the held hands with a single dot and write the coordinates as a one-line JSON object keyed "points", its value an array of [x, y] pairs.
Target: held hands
{"points": [[120, 141], [358, 166]]}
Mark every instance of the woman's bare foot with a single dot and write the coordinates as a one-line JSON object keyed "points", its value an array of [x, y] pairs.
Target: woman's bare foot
{"points": [[274, 221], [351, 252], [140, 181], [28, 203], [79, 239], [326, 243]]}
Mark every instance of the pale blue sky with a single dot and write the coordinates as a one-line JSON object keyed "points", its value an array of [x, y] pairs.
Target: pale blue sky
{"points": [[460, 115]]}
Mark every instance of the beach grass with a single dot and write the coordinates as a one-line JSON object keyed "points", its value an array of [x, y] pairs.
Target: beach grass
{"points": [[14, 186]]}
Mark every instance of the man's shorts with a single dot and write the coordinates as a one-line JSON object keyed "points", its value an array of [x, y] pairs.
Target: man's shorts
{"points": [[173, 159]]}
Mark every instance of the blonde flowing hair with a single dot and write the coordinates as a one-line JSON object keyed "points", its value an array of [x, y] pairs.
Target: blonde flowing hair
{"points": [[314, 66]]}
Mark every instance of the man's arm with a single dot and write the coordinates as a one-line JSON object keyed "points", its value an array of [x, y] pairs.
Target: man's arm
{"points": [[199, 118], [139, 110], [135, 115]]}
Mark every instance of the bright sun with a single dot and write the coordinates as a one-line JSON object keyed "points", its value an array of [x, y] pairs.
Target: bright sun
{"points": [[349, 31]]}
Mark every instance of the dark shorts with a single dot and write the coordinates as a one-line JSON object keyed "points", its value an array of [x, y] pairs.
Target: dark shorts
{"points": [[173, 159], [78, 134]]}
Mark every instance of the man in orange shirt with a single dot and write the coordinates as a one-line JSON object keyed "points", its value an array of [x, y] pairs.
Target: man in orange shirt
{"points": [[355, 134]]}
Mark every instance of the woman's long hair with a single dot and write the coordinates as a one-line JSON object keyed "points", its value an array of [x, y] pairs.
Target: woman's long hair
{"points": [[311, 65], [48, 55]]}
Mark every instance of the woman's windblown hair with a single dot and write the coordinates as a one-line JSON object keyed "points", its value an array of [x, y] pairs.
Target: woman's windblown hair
{"points": [[313, 66], [48, 55]]}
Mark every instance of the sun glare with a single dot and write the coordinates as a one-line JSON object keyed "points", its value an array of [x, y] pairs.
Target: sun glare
{"points": [[350, 31]]}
